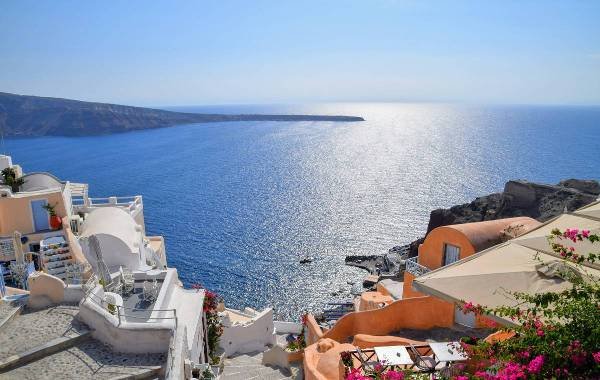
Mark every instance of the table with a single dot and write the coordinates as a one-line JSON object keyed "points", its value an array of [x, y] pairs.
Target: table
{"points": [[448, 352], [394, 355]]}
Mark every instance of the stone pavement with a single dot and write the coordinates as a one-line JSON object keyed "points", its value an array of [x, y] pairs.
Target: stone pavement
{"points": [[33, 328], [88, 360], [7, 309]]}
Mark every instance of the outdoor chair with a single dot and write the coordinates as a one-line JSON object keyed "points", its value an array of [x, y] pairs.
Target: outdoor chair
{"points": [[367, 364], [127, 280], [424, 363], [149, 291]]}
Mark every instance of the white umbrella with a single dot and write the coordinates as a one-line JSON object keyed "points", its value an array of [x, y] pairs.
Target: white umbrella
{"points": [[96, 250], [18, 247]]}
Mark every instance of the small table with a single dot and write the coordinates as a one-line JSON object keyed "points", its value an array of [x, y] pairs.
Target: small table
{"points": [[448, 352], [394, 356]]}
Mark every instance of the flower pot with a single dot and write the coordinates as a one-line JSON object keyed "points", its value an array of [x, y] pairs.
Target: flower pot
{"points": [[55, 222]]}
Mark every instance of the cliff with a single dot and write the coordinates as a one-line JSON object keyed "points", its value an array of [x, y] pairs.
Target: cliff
{"points": [[519, 198], [28, 116]]}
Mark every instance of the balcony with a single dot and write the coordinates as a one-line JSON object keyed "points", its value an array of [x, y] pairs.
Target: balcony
{"points": [[414, 268], [133, 205]]}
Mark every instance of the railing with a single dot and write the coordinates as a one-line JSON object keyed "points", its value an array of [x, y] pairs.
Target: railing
{"points": [[368, 361], [413, 267], [121, 311], [7, 248], [131, 203]]}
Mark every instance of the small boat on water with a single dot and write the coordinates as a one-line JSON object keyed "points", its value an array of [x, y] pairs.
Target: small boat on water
{"points": [[305, 259]]}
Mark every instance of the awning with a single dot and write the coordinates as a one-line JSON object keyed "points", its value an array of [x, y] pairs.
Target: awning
{"points": [[487, 277]]}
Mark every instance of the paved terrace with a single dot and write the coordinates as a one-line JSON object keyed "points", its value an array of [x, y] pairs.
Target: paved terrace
{"points": [[58, 346]]}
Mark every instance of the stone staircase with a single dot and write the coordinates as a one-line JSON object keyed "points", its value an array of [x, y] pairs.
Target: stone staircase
{"points": [[250, 367], [52, 344]]}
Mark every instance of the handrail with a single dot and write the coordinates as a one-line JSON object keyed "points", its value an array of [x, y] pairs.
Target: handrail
{"points": [[80, 201], [101, 302], [413, 267]]}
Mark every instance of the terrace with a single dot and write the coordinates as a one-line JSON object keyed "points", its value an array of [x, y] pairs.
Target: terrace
{"points": [[133, 205]]}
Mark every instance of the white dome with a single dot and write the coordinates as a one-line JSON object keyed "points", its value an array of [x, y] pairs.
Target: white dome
{"points": [[113, 221]]}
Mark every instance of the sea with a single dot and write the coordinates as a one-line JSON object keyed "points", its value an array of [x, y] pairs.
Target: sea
{"points": [[240, 203]]}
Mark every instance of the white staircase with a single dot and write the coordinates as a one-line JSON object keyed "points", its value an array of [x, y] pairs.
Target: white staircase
{"points": [[250, 367]]}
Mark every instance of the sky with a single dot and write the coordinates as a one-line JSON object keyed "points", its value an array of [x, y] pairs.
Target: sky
{"points": [[169, 53]]}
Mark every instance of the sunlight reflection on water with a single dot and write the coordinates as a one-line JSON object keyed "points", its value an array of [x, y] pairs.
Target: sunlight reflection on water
{"points": [[239, 203]]}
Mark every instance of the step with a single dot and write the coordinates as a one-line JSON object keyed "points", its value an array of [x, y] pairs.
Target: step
{"points": [[150, 373], [266, 373], [8, 311], [93, 360], [55, 345], [33, 328]]}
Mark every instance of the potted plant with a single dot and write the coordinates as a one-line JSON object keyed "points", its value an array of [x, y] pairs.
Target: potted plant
{"points": [[10, 179], [55, 220]]}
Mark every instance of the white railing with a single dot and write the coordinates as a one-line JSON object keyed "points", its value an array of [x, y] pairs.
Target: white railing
{"points": [[121, 311], [85, 204], [413, 267]]}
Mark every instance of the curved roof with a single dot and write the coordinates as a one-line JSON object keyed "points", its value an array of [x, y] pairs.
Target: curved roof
{"points": [[112, 221], [520, 265], [491, 232], [40, 181]]}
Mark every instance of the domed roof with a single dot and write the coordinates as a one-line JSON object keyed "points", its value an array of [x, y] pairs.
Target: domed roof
{"points": [[491, 232], [113, 221]]}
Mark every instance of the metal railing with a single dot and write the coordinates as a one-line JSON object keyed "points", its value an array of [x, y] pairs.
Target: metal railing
{"points": [[413, 267], [121, 311]]}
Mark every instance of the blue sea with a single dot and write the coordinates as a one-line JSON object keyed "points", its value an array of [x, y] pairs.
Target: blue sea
{"points": [[239, 203]]}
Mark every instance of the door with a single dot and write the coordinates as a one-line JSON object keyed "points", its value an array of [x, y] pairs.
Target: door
{"points": [[41, 220], [451, 253]]}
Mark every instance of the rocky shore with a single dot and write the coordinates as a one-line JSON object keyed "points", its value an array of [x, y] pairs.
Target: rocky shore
{"points": [[519, 198]]}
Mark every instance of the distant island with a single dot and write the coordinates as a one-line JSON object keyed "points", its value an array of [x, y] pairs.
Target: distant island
{"points": [[31, 116]]}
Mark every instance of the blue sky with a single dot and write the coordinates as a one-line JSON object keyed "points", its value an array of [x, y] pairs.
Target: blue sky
{"points": [[217, 52]]}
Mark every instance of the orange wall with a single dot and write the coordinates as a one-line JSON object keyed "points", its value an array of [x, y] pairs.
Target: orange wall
{"points": [[407, 290], [313, 330], [372, 300], [413, 313], [381, 289], [321, 357], [15, 212], [431, 252], [322, 360], [370, 341]]}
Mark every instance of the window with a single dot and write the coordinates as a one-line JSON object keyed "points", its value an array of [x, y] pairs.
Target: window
{"points": [[451, 253]]}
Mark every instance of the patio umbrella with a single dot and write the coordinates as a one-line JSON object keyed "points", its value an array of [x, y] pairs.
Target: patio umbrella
{"points": [[96, 251], [18, 247]]}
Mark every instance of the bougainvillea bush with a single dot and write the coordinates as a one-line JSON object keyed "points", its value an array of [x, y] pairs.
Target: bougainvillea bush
{"points": [[557, 334], [214, 326], [298, 343]]}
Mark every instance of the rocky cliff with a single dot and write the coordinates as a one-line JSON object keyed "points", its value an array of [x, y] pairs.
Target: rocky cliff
{"points": [[519, 198], [27, 116]]}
